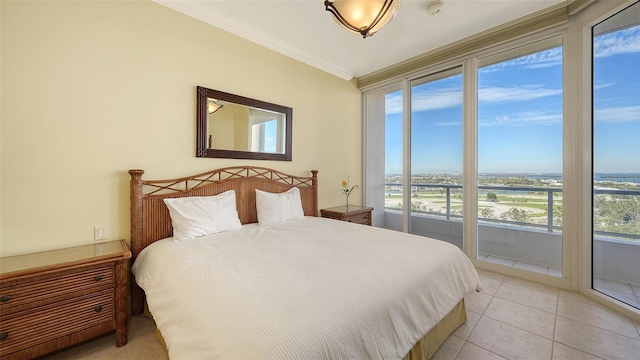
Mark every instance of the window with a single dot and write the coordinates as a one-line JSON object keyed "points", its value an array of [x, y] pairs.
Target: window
{"points": [[519, 173], [616, 156], [520, 120], [436, 156], [265, 127]]}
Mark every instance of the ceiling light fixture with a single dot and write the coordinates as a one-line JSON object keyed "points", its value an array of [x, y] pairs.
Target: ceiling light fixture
{"points": [[364, 17]]}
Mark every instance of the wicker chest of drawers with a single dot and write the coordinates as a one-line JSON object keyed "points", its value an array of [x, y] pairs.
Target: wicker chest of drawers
{"points": [[54, 299], [353, 213]]}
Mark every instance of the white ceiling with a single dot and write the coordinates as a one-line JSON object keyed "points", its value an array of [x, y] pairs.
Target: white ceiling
{"points": [[303, 30]]}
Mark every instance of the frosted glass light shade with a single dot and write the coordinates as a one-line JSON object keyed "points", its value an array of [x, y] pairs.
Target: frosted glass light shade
{"points": [[364, 17], [213, 106]]}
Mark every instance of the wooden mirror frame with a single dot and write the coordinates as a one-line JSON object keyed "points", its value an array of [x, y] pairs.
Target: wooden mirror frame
{"points": [[201, 126]]}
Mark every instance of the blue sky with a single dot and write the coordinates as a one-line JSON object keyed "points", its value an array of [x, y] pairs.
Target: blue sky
{"points": [[520, 114]]}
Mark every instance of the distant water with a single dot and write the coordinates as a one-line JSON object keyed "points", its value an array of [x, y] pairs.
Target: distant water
{"points": [[630, 177], [611, 177]]}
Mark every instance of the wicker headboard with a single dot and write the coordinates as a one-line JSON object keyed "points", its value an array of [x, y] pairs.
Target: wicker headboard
{"points": [[150, 220]]}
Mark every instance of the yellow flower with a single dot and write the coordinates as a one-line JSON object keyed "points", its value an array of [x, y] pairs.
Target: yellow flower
{"points": [[345, 190]]}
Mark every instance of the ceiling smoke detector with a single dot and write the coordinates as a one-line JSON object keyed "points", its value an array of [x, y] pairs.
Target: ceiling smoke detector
{"points": [[434, 8]]}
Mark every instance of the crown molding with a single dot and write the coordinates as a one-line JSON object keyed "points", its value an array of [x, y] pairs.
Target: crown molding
{"points": [[538, 21], [192, 9]]}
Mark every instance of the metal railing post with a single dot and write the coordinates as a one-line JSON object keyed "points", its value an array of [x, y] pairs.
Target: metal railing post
{"points": [[448, 203], [550, 211]]}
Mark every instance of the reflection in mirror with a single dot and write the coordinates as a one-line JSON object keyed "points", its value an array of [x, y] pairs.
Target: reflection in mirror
{"points": [[244, 128], [233, 126]]}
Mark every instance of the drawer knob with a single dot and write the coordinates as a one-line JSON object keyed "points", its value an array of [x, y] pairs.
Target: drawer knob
{"points": [[4, 335], [98, 308], [97, 277], [5, 298]]}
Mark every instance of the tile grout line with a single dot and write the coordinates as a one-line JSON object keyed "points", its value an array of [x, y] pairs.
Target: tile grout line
{"points": [[530, 307], [463, 342], [524, 287], [474, 326], [637, 295], [525, 330], [599, 328], [531, 288], [555, 325], [582, 351], [636, 322], [544, 311]]}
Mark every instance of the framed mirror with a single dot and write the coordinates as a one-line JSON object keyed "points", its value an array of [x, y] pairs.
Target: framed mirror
{"points": [[237, 127]]}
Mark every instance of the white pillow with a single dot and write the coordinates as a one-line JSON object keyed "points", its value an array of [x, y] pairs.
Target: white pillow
{"points": [[274, 208], [196, 216]]}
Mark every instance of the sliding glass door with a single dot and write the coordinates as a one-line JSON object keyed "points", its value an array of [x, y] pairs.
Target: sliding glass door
{"points": [[393, 160], [616, 156], [436, 156], [520, 157]]}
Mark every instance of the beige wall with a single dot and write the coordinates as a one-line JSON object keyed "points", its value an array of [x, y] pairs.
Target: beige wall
{"points": [[90, 90]]}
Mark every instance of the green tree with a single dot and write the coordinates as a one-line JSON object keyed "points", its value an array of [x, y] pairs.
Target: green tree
{"points": [[488, 213], [515, 214], [492, 197]]}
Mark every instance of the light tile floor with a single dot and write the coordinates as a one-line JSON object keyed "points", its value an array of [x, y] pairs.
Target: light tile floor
{"points": [[510, 319], [629, 293], [518, 319], [142, 345]]}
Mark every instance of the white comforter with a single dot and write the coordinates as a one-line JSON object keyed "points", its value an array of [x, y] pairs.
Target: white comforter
{"points": [[306, 289]]}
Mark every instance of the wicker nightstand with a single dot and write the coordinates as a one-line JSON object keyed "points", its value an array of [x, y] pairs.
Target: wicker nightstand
{"points": [[53, 299], [355, 214]]}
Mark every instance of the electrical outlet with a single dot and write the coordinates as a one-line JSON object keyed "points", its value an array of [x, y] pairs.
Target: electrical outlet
{"points": [[99, 233]]}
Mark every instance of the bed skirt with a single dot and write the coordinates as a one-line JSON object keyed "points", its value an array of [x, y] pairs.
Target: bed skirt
{"points": [[429, 344], [422, 350]]}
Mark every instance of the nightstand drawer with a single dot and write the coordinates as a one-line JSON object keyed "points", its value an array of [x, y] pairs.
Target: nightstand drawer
{"points": [[46, 290], [363, 218], [352, 213], [22, 330]]}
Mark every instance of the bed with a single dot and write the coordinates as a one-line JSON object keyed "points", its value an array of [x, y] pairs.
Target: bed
{"points": [[305, 288]]}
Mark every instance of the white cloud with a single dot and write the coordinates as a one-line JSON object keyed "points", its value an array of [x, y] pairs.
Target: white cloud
{"points": [[450, 123], [450, 97], [393, 104], [535, 118], [511, 94], [625, 41], [440, 99], [617, 114], [602, 86], [543, 59], [426, 100]]}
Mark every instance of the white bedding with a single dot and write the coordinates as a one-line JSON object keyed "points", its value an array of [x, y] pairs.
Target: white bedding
{"points": [[306, 289]]}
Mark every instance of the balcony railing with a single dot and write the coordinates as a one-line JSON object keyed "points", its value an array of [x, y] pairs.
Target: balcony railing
{"points": [[549, 226]]}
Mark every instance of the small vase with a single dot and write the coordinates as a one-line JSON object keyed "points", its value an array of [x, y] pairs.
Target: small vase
{"points": [[347, 207]]}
